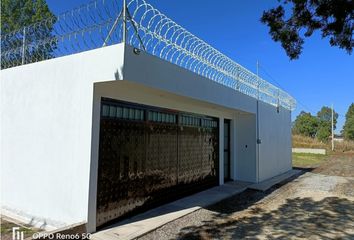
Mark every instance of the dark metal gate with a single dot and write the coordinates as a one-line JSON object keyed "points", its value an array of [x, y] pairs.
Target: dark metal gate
{"points": [[149, 156]]}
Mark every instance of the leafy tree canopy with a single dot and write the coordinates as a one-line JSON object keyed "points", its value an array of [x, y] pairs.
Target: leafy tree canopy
{"points": [[348, 129], [319, 126], [16, 14], [350, 112], [324, 132], [334, 18], [305, 124], [325, 116]]}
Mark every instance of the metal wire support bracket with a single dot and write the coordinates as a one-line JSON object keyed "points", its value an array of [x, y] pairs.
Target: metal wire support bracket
{"points": [[126, 17], [137, 23], [115, 24], [136, 30]]}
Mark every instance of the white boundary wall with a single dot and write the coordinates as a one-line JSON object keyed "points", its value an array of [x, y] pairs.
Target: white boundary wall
{"points": [[309, 150], [50, 113], [46, 112], [275, 136]]}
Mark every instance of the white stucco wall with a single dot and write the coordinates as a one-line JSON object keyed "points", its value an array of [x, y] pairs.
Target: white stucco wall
{"points": [[50, 113], [155, 72], [46, 113], [275, 135], [245, 145]]}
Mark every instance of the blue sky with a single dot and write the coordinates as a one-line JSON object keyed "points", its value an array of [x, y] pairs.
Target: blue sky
{"points": [[323, 75]]}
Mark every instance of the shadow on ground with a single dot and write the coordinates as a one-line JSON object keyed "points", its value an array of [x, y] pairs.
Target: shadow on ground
{"points": [[278, 213], [329, 218]]}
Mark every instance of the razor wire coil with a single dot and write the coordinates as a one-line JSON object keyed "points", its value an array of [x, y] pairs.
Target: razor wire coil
{"points": [[91, 26]]}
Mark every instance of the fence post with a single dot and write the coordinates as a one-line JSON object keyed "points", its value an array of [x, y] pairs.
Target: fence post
{"points": [[124, 16], [258, 81], [238, 79], [278, 101], [24, 46]]}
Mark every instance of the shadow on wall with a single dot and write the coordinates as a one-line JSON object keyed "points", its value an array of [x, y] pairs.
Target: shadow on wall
{"points": [[298, 217], [118, 75]]}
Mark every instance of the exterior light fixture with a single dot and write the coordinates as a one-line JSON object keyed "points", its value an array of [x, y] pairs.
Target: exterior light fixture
{"points": [[136, 51]]}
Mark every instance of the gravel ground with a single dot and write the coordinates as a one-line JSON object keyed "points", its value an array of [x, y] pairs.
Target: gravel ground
{"points": [[310, 206], [339, 164]]}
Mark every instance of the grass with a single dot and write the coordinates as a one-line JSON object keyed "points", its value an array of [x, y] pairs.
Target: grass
{"points": [[6, 229], [344, 146], [307, 142], [307, 160]]}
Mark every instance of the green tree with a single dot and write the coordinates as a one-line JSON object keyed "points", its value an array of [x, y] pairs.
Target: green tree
{"points": [[325, 123], [17, 14], [334, 18], [325, 115], [348, 129], [305, 124], [323, 132]]}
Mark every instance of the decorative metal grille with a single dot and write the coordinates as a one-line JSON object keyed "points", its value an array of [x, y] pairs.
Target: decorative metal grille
{"points": [[143, 163], [105, 22]]}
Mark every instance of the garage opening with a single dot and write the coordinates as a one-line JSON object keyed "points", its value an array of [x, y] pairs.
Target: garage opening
{"points": [[149, 156]]}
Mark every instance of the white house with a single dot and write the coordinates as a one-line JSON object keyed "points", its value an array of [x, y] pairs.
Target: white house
{"points": [[153, 115]]}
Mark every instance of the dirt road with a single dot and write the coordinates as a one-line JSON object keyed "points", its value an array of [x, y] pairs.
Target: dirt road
{"points": [[313, 205]]}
